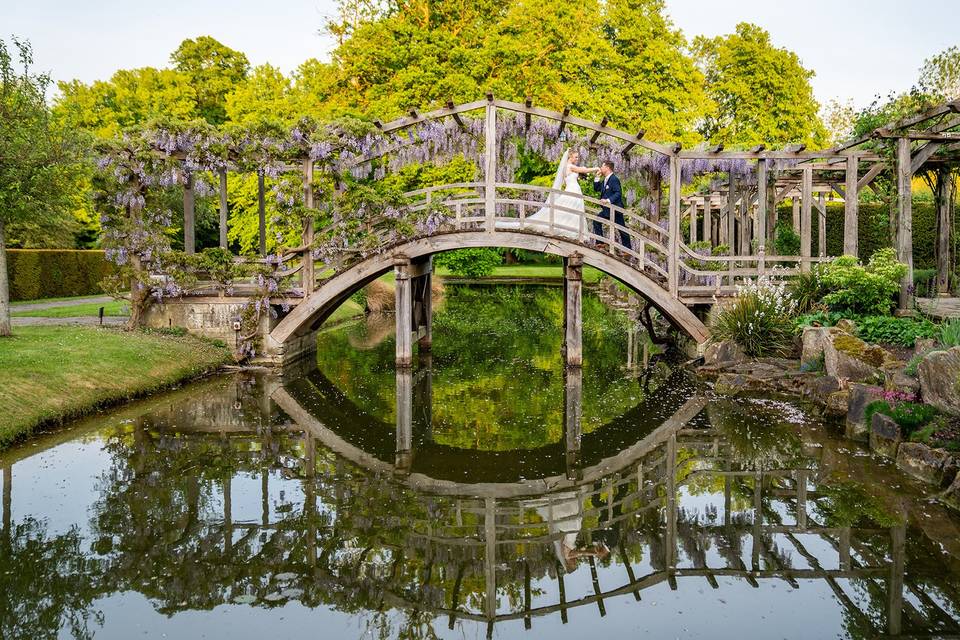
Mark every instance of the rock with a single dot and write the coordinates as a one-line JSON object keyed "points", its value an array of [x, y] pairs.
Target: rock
{"points": [[846, 356], [885, 435], [836, 404], [951, 497], [939, 374], [922, 345], [933, 466], [896, 379], [723, 352], [860, 396], [847, 326], [813, 342], [819, 389], [731, 384]]}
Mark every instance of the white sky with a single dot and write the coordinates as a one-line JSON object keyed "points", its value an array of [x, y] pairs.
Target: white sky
{"points": [[858, 48]]}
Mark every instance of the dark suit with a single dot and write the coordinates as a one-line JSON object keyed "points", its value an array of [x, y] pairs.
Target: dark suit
{"points": [[610, 191]]}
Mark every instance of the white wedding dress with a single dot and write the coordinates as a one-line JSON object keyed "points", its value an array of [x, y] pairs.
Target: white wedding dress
{"points": [[568, 207]]}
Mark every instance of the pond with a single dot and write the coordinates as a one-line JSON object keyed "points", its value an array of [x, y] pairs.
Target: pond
{"points": [[485, 493]]}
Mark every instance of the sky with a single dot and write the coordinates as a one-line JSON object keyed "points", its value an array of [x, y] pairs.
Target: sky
{"points": [[858, 48]]}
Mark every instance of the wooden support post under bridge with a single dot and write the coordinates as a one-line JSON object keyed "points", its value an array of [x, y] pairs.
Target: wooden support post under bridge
{"points": [[413, 307], [573, 310], [572, 419]]}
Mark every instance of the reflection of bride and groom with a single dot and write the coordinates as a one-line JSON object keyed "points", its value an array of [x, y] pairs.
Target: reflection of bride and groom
{"points": [[568, 207]]}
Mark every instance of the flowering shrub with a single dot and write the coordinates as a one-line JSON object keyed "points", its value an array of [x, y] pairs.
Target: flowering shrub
{"points": [[759, 319]]}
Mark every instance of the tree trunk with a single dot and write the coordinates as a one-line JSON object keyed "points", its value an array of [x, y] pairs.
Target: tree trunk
{"points": [[5, 329]]}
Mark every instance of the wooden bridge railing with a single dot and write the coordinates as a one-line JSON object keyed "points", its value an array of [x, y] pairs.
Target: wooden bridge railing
{"points": [[655, 249]]}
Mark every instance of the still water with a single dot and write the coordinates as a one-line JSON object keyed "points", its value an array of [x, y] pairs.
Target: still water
{"points": [[486, 493]]}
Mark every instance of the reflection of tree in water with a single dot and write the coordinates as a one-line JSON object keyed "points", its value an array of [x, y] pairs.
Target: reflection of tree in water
{"points": [[46, 583]]}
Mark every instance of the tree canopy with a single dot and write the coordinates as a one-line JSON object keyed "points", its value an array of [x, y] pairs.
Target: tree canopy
{"points": [[762, 93]]}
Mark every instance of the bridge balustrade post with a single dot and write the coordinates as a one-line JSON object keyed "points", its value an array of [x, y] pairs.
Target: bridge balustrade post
{"points": [[404, 313], [490, 166], [573, 310], [674, 227]]}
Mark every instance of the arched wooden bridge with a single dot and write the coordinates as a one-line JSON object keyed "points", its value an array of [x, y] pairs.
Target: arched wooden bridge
{"points": [[656, 263]]}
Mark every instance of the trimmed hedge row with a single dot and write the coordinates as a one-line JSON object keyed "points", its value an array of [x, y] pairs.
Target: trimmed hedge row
{"points": [[874, 230], [56, 273]]}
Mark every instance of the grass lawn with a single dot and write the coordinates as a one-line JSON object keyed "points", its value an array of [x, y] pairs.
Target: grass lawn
{"points": [[347, 311], [49, 374], [112, 308]]}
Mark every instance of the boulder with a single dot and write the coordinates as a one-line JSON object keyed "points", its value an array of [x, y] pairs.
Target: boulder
{"points": [[860, 396], [951, 496], [922, 345], [819, 389], [885, 435], [836, 404], [723, 352], [847, 326], [846, 356], [939, 374], [933, 466], [814, 340], [896, 379]]}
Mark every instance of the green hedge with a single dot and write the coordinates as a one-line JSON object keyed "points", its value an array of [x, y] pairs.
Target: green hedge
{"points": [[874, 230], [55, 273]]}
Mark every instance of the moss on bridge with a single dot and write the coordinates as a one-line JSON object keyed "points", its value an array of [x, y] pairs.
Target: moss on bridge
{"points": [[51, 374]]}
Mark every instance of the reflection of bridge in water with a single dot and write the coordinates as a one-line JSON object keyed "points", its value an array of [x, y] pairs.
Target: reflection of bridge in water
{"points": [[378, 529]]}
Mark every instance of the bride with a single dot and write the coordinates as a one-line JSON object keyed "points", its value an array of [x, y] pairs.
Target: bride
{"points": [[568, 206]]}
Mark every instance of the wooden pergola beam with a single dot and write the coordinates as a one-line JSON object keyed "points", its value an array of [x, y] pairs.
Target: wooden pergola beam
{"points": [[596, 134]]}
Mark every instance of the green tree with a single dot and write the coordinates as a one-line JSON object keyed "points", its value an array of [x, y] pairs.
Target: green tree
{"points": [[213, 69], [131, 96], [263, 96], [940, 74], [762, 92], [38, 159]]}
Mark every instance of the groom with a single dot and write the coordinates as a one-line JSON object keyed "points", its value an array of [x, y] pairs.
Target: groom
{"points": [[607, 184]]}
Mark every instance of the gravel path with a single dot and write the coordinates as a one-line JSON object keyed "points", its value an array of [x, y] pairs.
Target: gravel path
{"points": [[60, 303]]}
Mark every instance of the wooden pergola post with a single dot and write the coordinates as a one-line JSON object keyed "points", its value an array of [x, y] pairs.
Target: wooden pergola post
{"points": [[262, 213], [795, 205], [674, 226], [822, 225], [904, 242], [762, 203], [732, 215], [851, 208], [224, 212], [806, 206], [945, 187], [307, 273], [189, 228]]}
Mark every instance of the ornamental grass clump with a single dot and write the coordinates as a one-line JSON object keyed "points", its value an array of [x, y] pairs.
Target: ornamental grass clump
{"points": [[759, 319]]}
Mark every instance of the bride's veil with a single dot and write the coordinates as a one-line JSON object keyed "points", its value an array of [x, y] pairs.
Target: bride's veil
{"points": [[561, 178]]}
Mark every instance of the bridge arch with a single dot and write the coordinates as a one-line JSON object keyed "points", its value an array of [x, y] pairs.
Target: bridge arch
{"points": [[310, 313]]}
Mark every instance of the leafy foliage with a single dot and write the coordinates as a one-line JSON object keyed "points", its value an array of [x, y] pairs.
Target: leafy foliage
{"points": [[891, 330], [910, 416], [470, 263], [786, 240], [950, 333], [759, 319], [762, 92], [862, 289]]}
